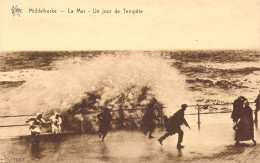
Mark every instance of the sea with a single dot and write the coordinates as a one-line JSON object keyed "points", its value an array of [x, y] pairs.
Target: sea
{"points": [[74, 82], [40, 81]]}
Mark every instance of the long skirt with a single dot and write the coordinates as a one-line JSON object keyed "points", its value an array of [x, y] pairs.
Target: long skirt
{"points": [[244, 132]]}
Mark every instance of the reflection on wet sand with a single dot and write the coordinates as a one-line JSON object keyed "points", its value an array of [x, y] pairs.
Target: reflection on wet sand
{"points": [[207, 145], [39, 145], [179, 153], [104, 151], [36, 150]]}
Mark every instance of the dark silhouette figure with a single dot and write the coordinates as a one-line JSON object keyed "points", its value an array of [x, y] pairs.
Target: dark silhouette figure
{"points": [[237, 108], [173, 124], [257, 106], [245, 126], [148, 123], [105, 119]]}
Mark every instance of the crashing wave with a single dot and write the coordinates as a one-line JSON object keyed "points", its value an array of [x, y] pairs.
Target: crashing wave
{"points": [[77, 86]]}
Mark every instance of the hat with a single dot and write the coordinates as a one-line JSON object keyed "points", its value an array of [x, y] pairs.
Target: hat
{"points": [[184, 105], [57, 114], [38, 114]]}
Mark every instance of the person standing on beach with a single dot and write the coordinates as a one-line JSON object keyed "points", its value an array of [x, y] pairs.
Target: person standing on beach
{"points": [[56, 122], [237, 108], [245, 127], [257, 106], [148, 123], [173, 124], [105, 119]]}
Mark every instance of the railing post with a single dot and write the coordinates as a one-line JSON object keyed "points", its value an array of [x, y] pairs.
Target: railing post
{"points": [[198, 107], [161, 118], [82, 129]]}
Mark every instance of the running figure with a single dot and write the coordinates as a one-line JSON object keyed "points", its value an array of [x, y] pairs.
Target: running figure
{"points": [[148, 123], [36, 123], [173, 124], [105, 119]]}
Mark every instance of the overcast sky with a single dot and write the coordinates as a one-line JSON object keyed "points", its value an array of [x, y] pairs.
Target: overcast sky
{"points": [[164, 25]]}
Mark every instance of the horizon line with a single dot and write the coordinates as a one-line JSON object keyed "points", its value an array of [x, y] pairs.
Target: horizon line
{"points": [[166, 50]]}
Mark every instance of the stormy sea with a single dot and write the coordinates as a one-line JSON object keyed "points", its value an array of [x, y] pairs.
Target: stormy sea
{"points": [[78, 84]]}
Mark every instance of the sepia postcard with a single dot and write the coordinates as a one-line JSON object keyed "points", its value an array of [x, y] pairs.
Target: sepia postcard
{"points": [[129, 81]]}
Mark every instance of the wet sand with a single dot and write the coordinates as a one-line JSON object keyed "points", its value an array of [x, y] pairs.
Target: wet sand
{"points": [[212, 143]]}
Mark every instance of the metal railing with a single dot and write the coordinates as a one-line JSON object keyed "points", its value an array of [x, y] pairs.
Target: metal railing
{"points": [[198, 107]]}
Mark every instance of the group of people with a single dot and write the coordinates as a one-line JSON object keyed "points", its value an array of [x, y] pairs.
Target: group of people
{"points": [[37, 122], [172, 124], [242, 116]]}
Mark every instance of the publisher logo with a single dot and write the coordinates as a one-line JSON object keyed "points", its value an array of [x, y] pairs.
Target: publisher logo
{"points": [[16, 11]]}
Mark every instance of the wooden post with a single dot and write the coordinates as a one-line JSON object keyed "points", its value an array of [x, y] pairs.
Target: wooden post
{"points": [[198, 107]]}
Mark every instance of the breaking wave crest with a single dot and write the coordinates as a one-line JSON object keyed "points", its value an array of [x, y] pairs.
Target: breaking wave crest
{"points": [[77, 86]]}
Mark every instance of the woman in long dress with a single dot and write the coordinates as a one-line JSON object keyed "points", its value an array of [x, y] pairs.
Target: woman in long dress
{"points": [[245, 126]]}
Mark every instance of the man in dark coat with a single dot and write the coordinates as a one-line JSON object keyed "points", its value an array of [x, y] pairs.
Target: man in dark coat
{"points": [[173, 124], [105, 119], [257, 105], [148, 123], [245, 127]]}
